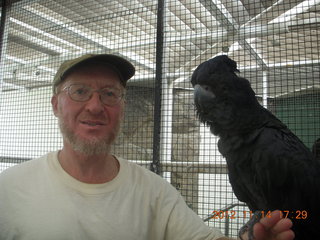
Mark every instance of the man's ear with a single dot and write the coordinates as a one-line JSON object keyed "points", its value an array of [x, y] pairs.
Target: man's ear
{"points": [[54, 103]]}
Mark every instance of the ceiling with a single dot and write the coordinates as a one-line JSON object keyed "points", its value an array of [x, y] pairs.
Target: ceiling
{"points": [[275, 43]]}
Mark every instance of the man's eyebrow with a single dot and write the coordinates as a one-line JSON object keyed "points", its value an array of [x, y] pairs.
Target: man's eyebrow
{"points": [[112, 87]]}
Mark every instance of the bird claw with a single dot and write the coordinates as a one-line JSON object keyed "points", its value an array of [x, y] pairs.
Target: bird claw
{"points": [[248, 227]]}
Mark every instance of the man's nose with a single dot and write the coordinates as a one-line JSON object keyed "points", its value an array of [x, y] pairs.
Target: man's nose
{"points": [[94, 104]]}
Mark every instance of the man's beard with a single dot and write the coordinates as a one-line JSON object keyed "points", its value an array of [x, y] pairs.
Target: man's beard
{"points": [[90, 147]]}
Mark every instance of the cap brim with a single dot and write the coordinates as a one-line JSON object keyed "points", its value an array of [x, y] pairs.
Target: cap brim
{"points": [[123, 67]]}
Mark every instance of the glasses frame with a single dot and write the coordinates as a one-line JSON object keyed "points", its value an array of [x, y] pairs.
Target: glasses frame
{"points": [[92, 90]]}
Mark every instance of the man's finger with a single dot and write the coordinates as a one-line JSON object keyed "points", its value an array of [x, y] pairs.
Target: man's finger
{"points": [[274, 226], [269, 221], [287, 235], [281, 226]]}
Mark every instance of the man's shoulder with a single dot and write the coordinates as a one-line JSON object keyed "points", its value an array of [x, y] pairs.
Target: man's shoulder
{"points": [[144, 177], [141, 171], [25, 168]]}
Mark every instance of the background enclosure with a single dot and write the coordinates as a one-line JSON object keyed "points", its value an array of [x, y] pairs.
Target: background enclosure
{"points": [[275, 43]]}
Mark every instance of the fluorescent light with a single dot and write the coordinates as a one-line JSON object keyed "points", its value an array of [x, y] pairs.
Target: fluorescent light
{"points": [[15, 59], [293, 12]]}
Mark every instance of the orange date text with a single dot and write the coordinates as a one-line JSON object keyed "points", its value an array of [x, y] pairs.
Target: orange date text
{"points": [[232, 214]]}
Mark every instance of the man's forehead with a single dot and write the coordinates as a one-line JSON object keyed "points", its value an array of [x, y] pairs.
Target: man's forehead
{"points": [[88, 74]]}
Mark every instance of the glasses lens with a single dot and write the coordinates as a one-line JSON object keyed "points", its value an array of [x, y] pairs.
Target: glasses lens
{"points": [[110, 96], [79, 92], [82, 93]]}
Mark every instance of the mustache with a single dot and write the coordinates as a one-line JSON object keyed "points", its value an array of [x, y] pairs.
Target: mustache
{"points": [[90, 119]]}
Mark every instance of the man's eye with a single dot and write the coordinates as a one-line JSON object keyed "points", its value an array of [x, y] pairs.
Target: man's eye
{"points": [[80, 91], [109, 93]]}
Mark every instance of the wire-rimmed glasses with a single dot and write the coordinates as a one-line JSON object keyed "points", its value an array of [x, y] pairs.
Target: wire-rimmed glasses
{"points": [[82, 93]]}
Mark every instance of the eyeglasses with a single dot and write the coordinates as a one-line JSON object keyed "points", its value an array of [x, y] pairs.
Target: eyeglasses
{"points": [[82, 93]]}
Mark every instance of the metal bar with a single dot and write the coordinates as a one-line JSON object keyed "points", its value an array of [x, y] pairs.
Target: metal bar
{"points": [[16, 160], [5, 13], [186, 74], [250, 31], [279, 7], [21, 2], [155, 166], [221, 14], [265, 89], [73, 27], [166, 119], [3, 24], [190, 167], [194, 167], [227, 208]]}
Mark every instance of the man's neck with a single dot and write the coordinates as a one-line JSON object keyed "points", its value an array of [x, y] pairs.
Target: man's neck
{"points": [[89, 169]]}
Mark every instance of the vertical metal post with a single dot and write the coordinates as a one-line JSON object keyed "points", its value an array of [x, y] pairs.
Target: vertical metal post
{"points": [[2, 26], [155, 166], [227, 227], [265, 89], [5, 12]]}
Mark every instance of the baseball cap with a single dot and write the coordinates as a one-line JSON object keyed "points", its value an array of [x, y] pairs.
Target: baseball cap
{"points": [[120, 65]]}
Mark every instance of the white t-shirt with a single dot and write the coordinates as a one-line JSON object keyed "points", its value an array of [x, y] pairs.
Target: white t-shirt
{"points": [[40, 201]]}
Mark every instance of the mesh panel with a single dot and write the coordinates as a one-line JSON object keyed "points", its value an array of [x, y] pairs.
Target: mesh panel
{"points": [[275, 43]]}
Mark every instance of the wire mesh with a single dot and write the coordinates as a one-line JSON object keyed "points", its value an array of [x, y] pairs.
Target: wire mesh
{"points": [[275, 43]]}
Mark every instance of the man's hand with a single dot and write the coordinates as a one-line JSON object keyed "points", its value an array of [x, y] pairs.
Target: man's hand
{"points": [[273, 228]]}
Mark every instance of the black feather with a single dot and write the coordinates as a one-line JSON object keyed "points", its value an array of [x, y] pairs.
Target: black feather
{"points": [[316, 149], [269, 167]]}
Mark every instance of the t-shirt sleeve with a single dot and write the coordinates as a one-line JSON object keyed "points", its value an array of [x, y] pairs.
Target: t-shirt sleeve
{"points": [[169, 217], [185, 224]]}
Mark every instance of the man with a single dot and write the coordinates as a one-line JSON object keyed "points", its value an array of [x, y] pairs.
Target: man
{"points": [[83, 191]]}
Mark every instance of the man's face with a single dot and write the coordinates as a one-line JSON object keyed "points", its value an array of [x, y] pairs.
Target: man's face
{"points": [[89, 127]]}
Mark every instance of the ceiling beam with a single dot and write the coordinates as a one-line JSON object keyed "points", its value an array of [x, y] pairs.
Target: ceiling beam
{"points": [[226, 19]]}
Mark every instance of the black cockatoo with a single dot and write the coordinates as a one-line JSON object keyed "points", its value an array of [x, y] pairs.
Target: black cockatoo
{"points": [[269, 167], [316, 149]]}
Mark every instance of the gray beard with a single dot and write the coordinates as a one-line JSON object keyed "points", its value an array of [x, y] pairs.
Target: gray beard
{"points": [[90, 147]]}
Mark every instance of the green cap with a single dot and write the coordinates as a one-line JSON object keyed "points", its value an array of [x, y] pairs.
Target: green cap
{"points": [[123, 67]]}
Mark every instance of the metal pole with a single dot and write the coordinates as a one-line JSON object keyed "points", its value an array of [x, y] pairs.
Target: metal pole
{"points": [[265, 89], [2, 27], [5, 12], [155, 166]]}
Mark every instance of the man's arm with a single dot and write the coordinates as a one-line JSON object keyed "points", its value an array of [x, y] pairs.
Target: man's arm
{"points": [[272, 228]]}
